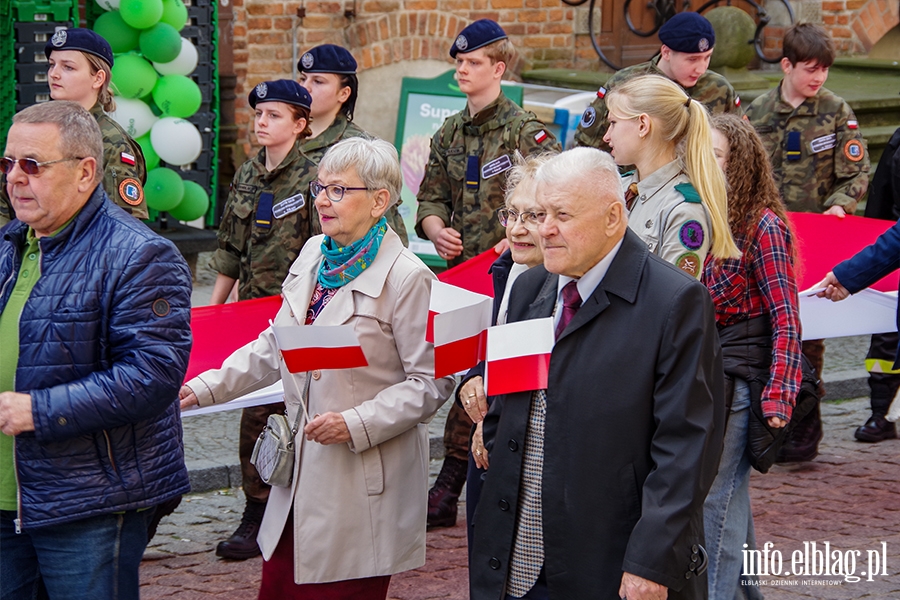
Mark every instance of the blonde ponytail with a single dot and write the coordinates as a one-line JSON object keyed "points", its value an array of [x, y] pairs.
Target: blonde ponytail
{"points": [[677, 118], [708, 179]]}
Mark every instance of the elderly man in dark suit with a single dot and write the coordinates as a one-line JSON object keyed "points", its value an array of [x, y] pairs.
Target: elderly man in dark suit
{"points": [[596, 484]]}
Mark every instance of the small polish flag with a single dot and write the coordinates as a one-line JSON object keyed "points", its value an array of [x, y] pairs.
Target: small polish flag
{"points": [[518, 356], [540, 136], [737, 100], [457, 323], [128, 159], [309, 347], [601, 93], [852, 125]]}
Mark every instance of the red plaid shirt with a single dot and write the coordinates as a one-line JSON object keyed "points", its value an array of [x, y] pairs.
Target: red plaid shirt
{"points": [[762, 282]]}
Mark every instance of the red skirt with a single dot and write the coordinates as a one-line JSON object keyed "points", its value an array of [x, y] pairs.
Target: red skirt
{"points": [[278, 578]]}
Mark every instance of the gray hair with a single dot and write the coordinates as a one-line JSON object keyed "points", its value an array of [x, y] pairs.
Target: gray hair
{"points": [[79, 134], [586, 163], [376, 162], [523, 171]]}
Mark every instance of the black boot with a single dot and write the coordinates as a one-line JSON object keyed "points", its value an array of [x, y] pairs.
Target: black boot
{"points": [[876, 429], [242, 543], [444, 496]]}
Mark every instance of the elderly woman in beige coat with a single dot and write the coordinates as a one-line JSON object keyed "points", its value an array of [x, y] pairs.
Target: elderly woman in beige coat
{"points": [[355, 511]]}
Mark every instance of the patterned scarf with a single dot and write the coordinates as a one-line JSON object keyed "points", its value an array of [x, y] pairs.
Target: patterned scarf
{"points": [[343, 265]]}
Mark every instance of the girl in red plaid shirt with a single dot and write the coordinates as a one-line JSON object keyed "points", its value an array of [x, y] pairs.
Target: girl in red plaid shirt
{"points": [[757, 312]]}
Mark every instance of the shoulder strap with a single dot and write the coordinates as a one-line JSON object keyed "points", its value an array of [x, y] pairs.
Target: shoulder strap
{"points": [[514, 128], [689, 192]]}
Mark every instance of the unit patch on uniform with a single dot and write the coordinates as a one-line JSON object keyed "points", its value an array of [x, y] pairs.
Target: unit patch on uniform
{"points": [[245, 188], [691, 235], [131, 191], [288, 206], [588, 117], [689, 262], [825, 142], [160, 307], [853, 150], [496, 166]]}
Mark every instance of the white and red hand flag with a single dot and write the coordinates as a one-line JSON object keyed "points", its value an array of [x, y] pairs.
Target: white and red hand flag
{"points": [[309, 347], [457, 322], [518, 356]]}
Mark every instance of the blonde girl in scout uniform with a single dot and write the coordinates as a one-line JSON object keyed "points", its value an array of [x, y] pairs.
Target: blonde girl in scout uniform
{"points": [[328, 72], [264, 226], [80, 70], [676, 196]]}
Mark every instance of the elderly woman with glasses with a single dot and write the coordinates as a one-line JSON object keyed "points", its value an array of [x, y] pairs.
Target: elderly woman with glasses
{"points": [[520, 217], [355, 511]]}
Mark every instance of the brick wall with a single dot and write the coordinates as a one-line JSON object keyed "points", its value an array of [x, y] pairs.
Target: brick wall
{"points": [[857, 25]]}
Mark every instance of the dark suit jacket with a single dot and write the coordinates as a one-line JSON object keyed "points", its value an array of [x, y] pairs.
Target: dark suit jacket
{"points": [[634, 427], [871, 264]]}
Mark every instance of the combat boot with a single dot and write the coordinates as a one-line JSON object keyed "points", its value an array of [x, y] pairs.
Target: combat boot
{"points": [[876, 429], [242, 543], [443, 498]]}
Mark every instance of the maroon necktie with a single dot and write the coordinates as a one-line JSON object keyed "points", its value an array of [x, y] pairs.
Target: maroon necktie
{"points": [[630, 194], [571, 303]]}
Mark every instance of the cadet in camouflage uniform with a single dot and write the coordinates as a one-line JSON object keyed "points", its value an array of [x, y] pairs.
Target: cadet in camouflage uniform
{"points": [[820, 164], [687, 45], [328, 72], [264, 226], [460, 194], [77, 56]]}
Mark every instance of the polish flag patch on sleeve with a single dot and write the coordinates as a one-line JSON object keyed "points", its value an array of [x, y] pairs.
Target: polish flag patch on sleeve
{"points": [[601, 93], [737, 100], [128, 159], [540, 136], [852, 125]]}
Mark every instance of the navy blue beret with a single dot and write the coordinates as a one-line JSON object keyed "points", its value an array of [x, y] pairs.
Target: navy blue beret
{"points": [[688, 32], [327, 58], [480, 33], [280, 90], [84, 40]]}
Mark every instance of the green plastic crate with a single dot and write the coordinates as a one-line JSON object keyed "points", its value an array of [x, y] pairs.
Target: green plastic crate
{"points": [[44, 10]]}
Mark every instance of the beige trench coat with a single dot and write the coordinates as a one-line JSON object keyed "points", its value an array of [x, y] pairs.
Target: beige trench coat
{"points": [[359, 508]]}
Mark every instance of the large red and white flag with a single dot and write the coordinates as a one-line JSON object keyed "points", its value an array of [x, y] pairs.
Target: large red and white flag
{"points": [[518, 356], [457, 324], [309, 347]]}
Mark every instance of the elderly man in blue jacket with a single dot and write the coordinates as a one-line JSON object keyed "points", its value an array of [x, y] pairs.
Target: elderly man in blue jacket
{"points": [[95, 330]]}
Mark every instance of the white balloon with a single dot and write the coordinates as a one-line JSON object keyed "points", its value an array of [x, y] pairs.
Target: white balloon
{"points": [[184, 63], [176, 141], [134, 116], [108, 4]]}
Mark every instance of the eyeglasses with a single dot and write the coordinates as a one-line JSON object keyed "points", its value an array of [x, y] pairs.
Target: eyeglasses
{"points": [[530, 220], [28, 165], [334, 191]]}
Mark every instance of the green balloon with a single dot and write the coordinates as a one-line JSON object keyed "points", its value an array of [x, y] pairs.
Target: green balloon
{"points": [[141, 14], [194, 204], [177, 96], [164, 189], [175, 13], [151, 158], [120, 35], [132, 76], [160, 43]]}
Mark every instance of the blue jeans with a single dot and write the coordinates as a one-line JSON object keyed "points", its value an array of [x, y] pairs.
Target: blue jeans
{"points": [[96, 557], [727, 517]]}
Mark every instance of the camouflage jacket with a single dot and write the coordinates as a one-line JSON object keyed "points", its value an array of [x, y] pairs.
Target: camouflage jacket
{"points": [[712, 90], [466, 171], [123, 181], [265, 224], [819, 157], [314, 149]]}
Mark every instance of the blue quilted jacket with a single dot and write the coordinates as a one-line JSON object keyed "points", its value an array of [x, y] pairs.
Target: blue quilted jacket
{"points": [[104, 340]]}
